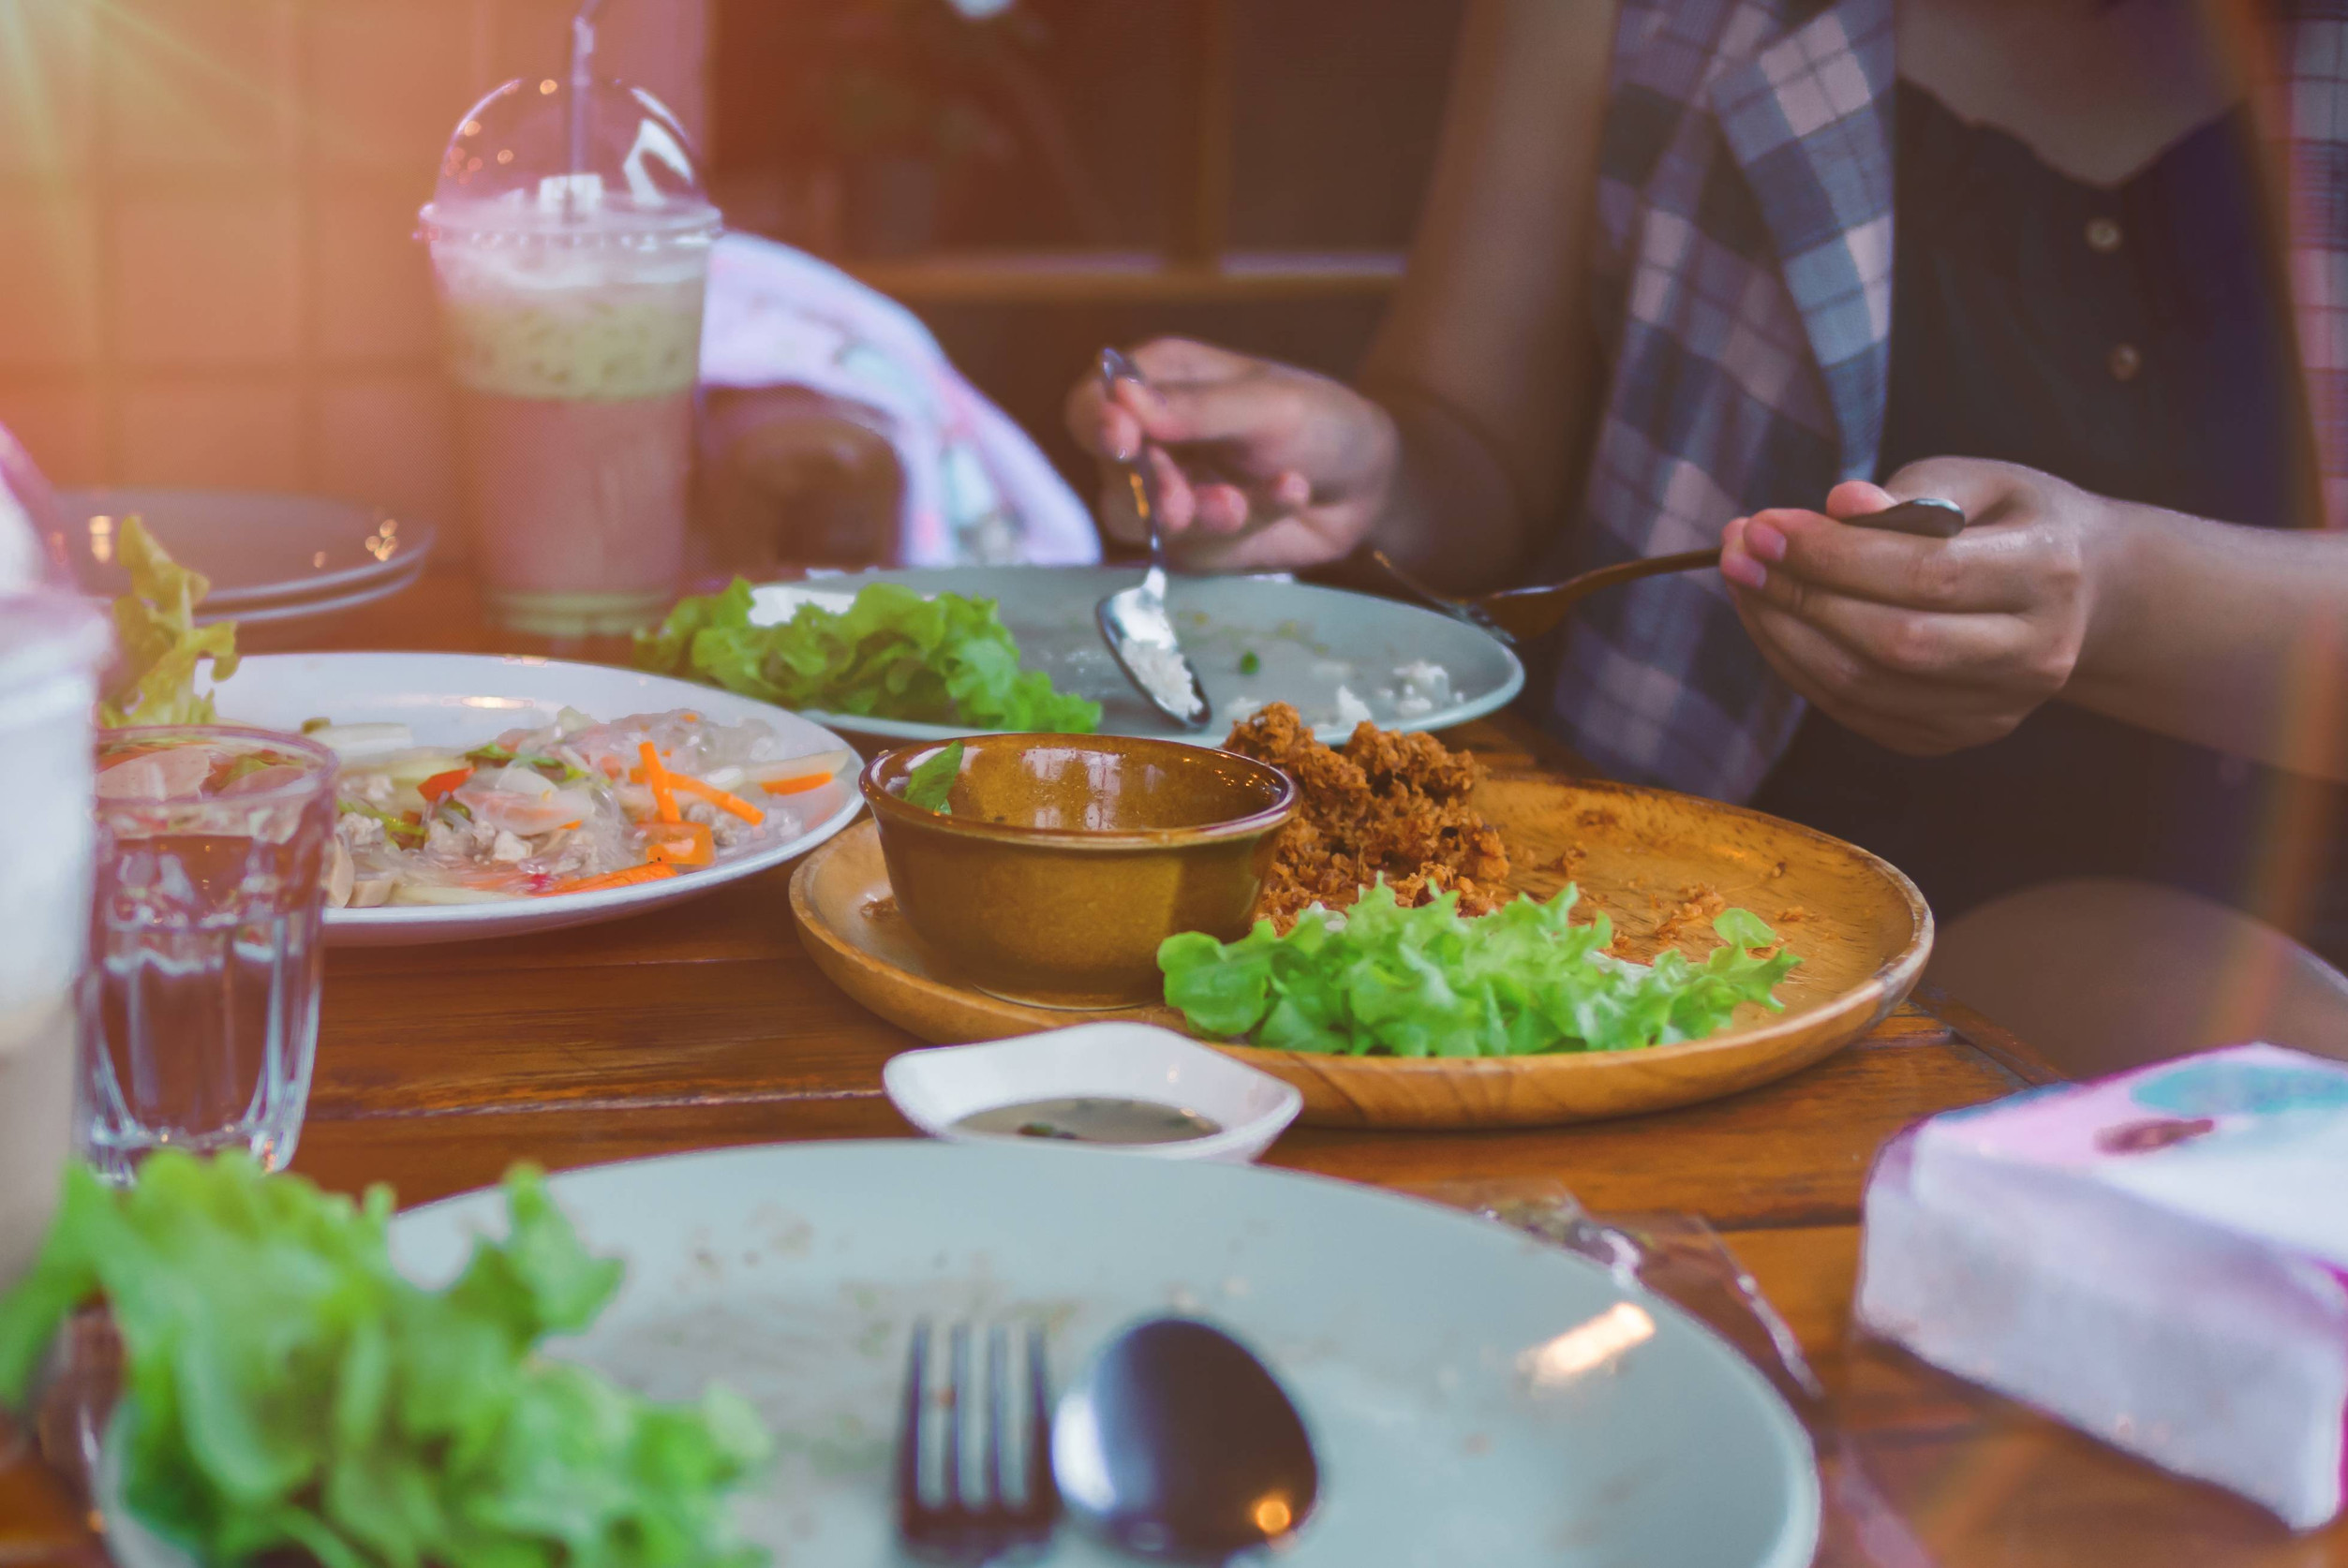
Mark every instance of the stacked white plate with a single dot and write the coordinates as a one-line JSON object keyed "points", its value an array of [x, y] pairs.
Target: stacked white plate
{"points": [[272, 558]]}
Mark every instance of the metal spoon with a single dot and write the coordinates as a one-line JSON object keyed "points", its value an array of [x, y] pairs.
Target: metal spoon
{"points": [[1176, 1443], [1521, 615], [1134, 621]]}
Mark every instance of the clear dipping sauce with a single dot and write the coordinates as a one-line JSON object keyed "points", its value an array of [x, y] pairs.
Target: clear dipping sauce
{"points": [[1091, 1119]]}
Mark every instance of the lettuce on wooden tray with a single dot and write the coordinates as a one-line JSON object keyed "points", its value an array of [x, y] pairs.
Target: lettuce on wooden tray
{"points": [[892, 654], [1379, 978], [287, 1390]]}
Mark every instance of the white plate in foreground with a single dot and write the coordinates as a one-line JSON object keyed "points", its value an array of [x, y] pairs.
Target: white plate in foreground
{"points": [[1404, 1331], [468, 700], [1477, 1400], [1308, 641]]}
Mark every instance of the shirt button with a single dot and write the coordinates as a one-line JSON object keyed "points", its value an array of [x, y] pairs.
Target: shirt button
{"points": [[2124, 361], [2102, 235]]}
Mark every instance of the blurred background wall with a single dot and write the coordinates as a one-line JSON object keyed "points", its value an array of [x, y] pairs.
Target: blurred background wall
{"points": [[207, 275], [1072, 173]]}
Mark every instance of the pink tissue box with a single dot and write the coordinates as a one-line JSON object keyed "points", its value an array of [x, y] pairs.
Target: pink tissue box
{"points": [[2159, 1259]]}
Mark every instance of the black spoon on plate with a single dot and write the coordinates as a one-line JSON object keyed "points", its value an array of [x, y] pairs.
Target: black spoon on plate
{"points": [[1177, 1443]]}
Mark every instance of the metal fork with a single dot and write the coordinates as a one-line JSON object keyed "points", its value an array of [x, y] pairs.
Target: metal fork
{"points": [[953, 1525], [1521, 615]]}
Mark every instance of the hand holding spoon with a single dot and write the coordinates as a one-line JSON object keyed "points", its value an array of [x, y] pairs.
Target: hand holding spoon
{"points": [[1134, 621]]}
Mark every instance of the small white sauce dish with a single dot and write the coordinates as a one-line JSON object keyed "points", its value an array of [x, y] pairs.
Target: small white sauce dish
{"points": [[936, 1089]]}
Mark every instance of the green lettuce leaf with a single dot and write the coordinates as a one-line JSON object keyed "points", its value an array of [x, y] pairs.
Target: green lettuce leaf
{"points": [[1383, 978], [891, 654], [160, 643], [289, 1388], [930, 784]]}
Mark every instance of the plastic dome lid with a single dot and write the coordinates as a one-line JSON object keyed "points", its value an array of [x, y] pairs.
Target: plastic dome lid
{"points": [[509, 168]]}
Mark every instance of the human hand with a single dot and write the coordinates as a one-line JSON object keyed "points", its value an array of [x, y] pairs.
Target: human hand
{"points": [[1261, 467], [1926, 646]]}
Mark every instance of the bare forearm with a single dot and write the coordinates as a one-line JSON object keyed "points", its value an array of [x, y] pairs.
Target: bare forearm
{"points": [[2233, 637], [1486, 363], [1452, 515]]}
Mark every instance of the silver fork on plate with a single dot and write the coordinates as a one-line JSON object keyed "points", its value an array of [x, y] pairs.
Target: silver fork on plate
{"points": [[954, 1522]]}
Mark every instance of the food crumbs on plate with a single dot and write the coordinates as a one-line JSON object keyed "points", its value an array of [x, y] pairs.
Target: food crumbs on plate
{"points": [[1792, 915], [1684, 923]]}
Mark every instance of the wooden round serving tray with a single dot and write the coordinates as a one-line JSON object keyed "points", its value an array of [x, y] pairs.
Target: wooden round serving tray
{"points": [[1861, 927]]}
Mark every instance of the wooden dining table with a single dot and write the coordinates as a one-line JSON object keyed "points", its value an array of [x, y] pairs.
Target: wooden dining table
{"points": [[705, 1024]]}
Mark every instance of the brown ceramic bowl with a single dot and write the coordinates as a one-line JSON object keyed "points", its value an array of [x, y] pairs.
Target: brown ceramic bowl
{"points": [[1068, 858]]}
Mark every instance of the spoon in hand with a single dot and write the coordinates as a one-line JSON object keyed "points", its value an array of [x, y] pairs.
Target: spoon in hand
{"points": [[1134, 621], [1176, 1443], [1521, 615]]}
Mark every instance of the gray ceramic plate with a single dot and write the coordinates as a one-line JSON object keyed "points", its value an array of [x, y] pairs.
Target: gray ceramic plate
{"points": [[274, 613], [1308, 642], [257, 547], [1475, 1398]]}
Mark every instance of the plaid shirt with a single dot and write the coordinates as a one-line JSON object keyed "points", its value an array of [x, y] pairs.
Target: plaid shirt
{"points": [[1744, 291]]}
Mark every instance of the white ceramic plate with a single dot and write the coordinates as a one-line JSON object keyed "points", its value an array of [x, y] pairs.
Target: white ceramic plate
{"points": [[465, 699], [1308, 641], [256, 546], [937, 1087], [1477, 1400]]}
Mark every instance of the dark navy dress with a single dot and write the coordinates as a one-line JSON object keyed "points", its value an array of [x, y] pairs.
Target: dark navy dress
{"points": [[2137, 343]]}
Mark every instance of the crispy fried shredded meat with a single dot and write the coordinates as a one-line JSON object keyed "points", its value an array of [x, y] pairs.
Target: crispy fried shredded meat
{"points": [[1387, 804]]}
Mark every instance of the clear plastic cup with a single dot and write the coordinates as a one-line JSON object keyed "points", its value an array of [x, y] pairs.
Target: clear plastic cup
{"points": [[51, 646], [569, 239], [202, 1008]]}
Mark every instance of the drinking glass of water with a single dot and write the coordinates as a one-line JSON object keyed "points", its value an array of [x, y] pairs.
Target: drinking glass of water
{"points": [[202, 1010]]}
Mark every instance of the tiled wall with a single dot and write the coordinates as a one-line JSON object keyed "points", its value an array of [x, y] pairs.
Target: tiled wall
{"points": [[206, 269]]}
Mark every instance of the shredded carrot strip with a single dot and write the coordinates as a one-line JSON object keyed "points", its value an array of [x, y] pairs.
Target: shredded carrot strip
{"points": [[610, 879], [658, 777], [799, 786], [718, 797], [440, 784]]}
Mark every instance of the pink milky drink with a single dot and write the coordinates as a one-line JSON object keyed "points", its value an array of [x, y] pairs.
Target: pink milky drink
{"points": [[572, 303]]}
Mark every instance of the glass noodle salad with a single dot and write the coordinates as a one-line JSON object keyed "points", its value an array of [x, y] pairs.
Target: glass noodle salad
{"points": [[574, 806]]}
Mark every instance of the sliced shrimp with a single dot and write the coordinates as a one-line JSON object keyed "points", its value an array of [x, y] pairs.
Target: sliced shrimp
{"points": [[525, 816]]}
